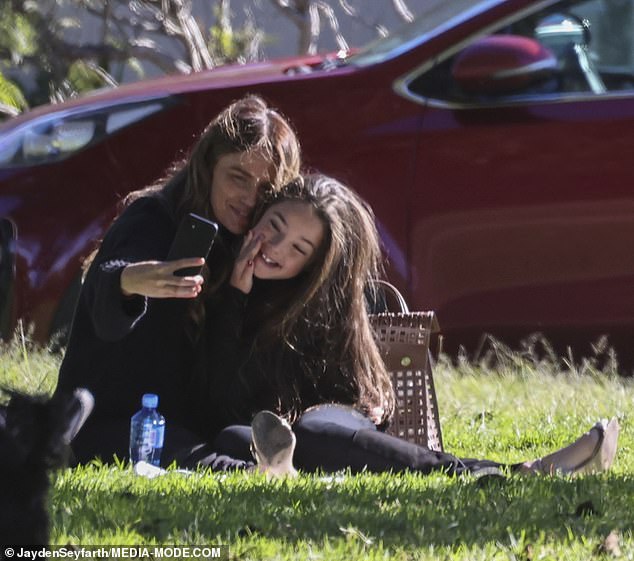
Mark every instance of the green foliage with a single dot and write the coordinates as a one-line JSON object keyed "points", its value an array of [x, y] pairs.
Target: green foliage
{"points": [[229, 45], [18, 37], [17, 40], [84, 77], [11, 95], [31, 36]]}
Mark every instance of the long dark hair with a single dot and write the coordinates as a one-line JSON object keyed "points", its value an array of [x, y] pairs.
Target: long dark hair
{"points": [[320, 318], [248, 124]]}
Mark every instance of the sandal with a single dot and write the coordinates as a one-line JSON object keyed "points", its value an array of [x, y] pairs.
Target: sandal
{"points": [[273, 444], [591, 453]]}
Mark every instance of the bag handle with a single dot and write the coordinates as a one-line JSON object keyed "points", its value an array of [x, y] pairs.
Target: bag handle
{"points": [[389, 287]]}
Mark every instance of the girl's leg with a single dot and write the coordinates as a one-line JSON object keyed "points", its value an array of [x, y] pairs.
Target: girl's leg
{"points": [[234, 441], [378, 452], [335, 438], [594, 451], [332, 438], [228, 452]]}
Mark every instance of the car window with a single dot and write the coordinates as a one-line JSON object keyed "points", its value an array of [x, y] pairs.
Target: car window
{"points": [[572, 49], [433, 18]]}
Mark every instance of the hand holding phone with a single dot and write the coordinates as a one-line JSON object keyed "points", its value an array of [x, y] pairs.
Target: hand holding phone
{"points": [[194, 238]]}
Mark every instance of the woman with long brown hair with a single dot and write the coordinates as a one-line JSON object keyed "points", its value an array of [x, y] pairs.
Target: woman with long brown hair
{"points": [[137, 325]]}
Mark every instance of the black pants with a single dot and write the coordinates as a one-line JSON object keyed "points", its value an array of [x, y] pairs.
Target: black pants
{"points": [[329, 438], [333, 438]]}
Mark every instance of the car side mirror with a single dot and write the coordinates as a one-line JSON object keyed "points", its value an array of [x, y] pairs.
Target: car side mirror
{"points": [[559, 31], [502, 64]]}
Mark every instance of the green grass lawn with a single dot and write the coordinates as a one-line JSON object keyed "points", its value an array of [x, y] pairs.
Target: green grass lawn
{"points": [[518, 410]]}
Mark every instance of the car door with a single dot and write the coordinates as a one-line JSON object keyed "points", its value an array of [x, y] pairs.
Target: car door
{"points": [[523, 202]]}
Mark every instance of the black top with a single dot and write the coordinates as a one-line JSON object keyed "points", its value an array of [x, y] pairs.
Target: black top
{"points": [[121, 347], [235, 378]]}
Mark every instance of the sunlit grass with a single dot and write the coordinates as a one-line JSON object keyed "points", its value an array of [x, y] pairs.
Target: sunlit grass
{"points": [[27, 367], [514, 408]]}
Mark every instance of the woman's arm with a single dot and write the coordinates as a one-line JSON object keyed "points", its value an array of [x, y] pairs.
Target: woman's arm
{"points": [[128, 269], [156, 279]]}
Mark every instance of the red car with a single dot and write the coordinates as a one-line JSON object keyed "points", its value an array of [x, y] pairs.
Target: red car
{"points": [[493, 139]]}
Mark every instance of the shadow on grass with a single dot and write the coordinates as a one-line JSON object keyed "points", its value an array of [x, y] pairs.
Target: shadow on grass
{"points": [[407, 511]]}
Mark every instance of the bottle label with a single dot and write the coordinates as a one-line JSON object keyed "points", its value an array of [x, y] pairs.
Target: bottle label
{"points": [[159, 436], [145, 444], [146, 440]]}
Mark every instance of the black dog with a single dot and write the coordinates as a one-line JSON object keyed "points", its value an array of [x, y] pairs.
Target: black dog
{"points": [[35, 433]]}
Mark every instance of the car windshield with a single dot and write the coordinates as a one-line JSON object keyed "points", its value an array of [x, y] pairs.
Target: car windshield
{"points": [[435, 17]]}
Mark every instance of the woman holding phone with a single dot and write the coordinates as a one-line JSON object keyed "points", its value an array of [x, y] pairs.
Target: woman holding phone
{"points": [[137, 325]]}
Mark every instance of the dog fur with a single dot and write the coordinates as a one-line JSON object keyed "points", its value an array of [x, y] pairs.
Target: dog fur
{"points": [[35, 433]]}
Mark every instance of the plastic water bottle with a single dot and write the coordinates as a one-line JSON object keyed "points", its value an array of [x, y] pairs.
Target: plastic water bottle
{"points": [[147, 431]]}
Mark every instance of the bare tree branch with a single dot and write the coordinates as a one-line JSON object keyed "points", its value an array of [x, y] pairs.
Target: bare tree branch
{"points": [[252, 51], [199, 52], [349, 10], [299, 14], [293, 12], [315, 28], [334, 24], [305, 14], [69, 52], [173, 18], [224, 19], [403, 10], [105, 76]]}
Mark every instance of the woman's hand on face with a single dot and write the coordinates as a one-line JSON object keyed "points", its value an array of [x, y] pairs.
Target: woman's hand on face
{"points": [[156, 279], [242, 275]]}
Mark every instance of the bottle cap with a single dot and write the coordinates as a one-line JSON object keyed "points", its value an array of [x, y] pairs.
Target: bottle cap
{"points": [[150, 400]]}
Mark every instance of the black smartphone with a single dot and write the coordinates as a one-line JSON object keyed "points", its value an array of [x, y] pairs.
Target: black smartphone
{"points": [[194, 238]]}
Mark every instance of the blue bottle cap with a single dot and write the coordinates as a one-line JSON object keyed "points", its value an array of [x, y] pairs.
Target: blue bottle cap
{"points": [[150, 400]]}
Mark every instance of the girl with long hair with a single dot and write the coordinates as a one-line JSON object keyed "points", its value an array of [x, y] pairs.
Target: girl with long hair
{"points": [[291, 344]]}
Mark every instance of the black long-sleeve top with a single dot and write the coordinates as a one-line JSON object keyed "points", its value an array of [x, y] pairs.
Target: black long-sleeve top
{"points": [[236, 376], [121, 347]]}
